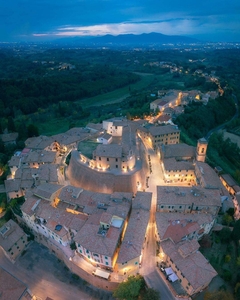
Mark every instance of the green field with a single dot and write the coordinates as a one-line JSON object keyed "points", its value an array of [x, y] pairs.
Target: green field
{"points": [[120, 94]]}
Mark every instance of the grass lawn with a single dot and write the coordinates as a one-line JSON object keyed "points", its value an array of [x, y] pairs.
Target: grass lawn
{"points": [[87, 148]]}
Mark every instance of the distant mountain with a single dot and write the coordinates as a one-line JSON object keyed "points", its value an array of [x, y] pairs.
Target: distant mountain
{"points": [[145, 39]]}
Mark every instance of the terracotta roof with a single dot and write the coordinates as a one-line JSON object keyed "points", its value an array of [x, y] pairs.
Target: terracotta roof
{"points": [[171, 164], [178, 150], [11, 287], [188, 195], [178, 225], [228, 179], [157, 130], [194, 267], [109, 151], [10, 233], [135, 234], [9, 137], [89, 238], [46, 190]]}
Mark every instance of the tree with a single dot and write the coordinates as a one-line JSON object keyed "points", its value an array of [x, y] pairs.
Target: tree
{"points": [[225, 235], [151, 294], [129, 290], [236, 231], [227, 219], [32, 130], [11, 125]]}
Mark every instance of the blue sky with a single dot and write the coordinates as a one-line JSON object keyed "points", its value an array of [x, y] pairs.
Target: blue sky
{"points": [[209, 20]]}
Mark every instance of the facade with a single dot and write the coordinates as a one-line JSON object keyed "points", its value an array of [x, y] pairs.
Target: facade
{"points": [[170, 99], [201, 150], [188, 200], [230, 184], [156, 136], [178, 171], [13, 240]]}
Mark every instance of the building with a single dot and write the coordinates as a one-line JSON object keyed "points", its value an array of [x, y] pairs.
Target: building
{"points": [[201, 150], [13, 240], [175, 171], [170, 99], [9, 138], [12, 288], [192, 269], [183, 226], [188, 200], [156, 136], [230, 184], [130, 254]]}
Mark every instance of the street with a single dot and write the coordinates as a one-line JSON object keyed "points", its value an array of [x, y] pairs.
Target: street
{"points": [[148, 269], [46, 276]]}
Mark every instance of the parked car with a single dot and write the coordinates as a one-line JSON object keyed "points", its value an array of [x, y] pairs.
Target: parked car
{"points": [[162, 268]]}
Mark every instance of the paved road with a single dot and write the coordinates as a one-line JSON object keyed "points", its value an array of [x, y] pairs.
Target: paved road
{"points": [[149, 270], [45, 275]]}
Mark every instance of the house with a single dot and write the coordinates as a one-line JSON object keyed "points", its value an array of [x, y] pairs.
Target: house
{"points": [[179, 227], [13, 188], [230, 184], [188, 199], [12, 288], [13, 240], [130, 254], [14, 163], [9, 138], [170, 99], [179, 151], [113, 127], [192, 269], [53, 221], [175, 171], [48, 191], [159, 135], [105, 138], [98, 239]]}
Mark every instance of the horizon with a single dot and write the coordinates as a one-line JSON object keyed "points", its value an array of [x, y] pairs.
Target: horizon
{"points": [[25, 20]]}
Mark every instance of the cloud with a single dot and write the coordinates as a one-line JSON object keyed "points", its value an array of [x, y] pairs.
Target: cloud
{"points": [[28, 18]]}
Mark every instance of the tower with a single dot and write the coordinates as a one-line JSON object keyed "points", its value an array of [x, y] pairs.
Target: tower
{"points": [[201, 149]]}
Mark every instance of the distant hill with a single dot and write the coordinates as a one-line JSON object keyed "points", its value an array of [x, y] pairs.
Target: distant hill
{"points": [[145, 39]]}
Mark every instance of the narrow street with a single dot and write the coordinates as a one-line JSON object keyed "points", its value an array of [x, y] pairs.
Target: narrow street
{"points": [[149, 269]]}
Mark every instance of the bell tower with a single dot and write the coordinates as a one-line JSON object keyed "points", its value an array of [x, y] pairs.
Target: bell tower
{"points": [[201, 149]]}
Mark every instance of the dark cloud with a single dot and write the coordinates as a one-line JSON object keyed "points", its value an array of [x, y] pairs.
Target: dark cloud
{"points": [[20, 19]]}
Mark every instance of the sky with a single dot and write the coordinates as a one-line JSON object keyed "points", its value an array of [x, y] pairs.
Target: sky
{"points": [[44, 20]]}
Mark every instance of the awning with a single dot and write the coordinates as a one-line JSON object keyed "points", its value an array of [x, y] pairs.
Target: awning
{"points": [[102, 274], [173, 277], [168, 271]]}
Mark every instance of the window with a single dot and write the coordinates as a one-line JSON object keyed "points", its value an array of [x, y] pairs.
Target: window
{"points": [[87, 251], [116, 166], [106, 263], [99, 158], [116, 159], [136, 263], [107, 159], [106, 257], [202, 150]]}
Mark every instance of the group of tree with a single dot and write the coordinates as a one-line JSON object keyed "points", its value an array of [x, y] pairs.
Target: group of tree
{"points": [[198, 118], [135, 288]]}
